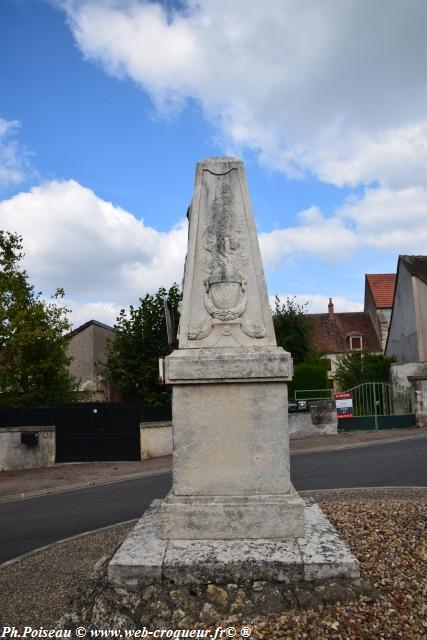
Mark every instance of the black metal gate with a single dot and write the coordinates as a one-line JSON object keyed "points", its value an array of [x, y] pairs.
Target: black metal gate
{"points": [[97, 431]]}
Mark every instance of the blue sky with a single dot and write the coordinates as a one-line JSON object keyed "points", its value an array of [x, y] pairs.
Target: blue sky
{"points": [[106, 106]]}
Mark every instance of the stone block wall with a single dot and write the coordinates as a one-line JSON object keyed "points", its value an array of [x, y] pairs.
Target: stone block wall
{"points": [[15, 455], [321, 419], [156, 439]]}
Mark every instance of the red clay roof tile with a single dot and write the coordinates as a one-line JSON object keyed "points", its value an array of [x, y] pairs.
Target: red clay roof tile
{"points": [[382, 288], [331, 335]]}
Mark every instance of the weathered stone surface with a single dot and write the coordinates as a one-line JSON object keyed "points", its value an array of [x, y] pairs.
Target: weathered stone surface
{"points": [[139, 560], [230, 439], [324, 554], [227, 518], [225, 300], [228, 365], [102, 606], [320, 555]]}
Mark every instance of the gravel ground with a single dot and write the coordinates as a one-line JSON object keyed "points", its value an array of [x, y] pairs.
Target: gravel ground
{"points": [[35, 590], [386, 530]]}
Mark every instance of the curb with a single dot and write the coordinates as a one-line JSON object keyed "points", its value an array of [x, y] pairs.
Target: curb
{"points": [[86, 485], [358, 445], [62, 541]]}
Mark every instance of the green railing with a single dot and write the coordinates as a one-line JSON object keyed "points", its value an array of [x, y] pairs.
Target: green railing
{"points": [[380, 405]]}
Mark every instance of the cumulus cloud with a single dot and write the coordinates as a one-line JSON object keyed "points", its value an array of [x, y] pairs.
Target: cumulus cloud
{"points": [[331, 239], [93, 249], [333, 88], [14, 159], [390, 219], [383, 219], [105, 258]]}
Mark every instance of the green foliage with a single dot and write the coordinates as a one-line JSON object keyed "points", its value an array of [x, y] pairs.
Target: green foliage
{"points": [[141, 339], [308, 376], [357, 367], [33, 337], [292, 328]]}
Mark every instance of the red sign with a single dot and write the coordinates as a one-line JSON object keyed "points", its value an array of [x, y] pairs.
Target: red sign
{"points": [[344, 404]]}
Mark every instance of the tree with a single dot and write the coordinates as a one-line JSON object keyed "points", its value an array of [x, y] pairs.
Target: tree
{"points": [[292, 328], [141, 339], [356, 367], [33, 337]]}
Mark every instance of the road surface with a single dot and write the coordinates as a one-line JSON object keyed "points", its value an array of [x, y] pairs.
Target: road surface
{"points": [[35, 522]]}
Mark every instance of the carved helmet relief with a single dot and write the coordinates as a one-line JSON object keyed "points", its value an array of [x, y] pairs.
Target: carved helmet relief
{"points": [[225, 296]]}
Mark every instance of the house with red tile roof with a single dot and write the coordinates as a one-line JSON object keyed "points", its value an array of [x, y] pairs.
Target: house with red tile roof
{"points": [[379, 292], [336, 333]]}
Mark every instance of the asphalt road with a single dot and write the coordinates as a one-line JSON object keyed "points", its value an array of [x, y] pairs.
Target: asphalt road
{"points": [[35, 522]]}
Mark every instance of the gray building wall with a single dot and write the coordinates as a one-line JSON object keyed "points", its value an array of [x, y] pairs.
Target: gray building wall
{"points": [[88, 350], [420, 297], [403, 341]]}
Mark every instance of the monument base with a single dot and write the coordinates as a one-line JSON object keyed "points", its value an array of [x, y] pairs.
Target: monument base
{"points": [[146, 559], [231, 517]]}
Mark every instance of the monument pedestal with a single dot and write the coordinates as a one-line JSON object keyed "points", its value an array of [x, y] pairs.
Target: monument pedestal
{"points": [[231, 448], [232, 517], [145, 558]]}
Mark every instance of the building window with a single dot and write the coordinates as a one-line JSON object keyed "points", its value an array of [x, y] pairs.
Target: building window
{"points": [[328, 364], [356, 343]]}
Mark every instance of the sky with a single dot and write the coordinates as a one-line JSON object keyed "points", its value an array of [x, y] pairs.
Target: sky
{"points": [[107, 105]]}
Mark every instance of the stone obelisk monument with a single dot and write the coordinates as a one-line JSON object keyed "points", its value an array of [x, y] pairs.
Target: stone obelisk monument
{"points": [[232, 514], [230, 418]]}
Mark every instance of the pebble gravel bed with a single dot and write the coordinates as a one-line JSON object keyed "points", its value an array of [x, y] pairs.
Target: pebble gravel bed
{"points": [[385, 529], [387, 532]]}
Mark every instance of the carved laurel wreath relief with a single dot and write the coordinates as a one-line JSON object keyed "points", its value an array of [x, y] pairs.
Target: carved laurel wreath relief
{"points": [[225, 297]]}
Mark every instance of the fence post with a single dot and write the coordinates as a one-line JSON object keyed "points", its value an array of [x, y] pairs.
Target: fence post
{"points": [[375, 407]]}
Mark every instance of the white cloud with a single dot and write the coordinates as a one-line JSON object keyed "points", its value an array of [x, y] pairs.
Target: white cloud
{"points": [[14, 159], [317, 303], [81, 312], [383, 219], [336, 88], [392, 220], [94, 250], [330, 239]]}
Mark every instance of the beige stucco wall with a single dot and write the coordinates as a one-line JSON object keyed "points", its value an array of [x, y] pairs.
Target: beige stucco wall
{"points": [[403, 340], [420, 298], [14, 455], [156, 439]]}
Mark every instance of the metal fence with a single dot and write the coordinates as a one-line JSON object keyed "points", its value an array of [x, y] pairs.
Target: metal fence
{"points": [[380, 398], [379, 405], [45, 416]]}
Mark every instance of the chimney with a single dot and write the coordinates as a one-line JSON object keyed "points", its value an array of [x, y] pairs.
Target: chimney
{"points": [[331, 309]]}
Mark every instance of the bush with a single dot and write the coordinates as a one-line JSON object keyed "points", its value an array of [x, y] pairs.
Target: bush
{"points": [[308, 376], [357, 367]]}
